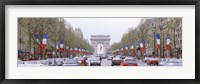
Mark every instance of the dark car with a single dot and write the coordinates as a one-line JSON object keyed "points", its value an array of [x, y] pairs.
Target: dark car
{"points": [[116, 61], [129, 62]]}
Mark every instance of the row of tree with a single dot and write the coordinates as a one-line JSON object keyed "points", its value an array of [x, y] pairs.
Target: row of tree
{"points": [[56, 28], [147, 29]]}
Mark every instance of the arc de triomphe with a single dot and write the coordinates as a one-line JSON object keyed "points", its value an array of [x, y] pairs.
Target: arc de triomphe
{"points": [[100, 39]]}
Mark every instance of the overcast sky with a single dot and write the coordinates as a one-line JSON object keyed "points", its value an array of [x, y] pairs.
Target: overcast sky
{"points": [[115, 27]]}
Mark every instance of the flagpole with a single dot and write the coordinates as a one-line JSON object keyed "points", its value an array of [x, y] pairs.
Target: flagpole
{"points": [[163, 43]]}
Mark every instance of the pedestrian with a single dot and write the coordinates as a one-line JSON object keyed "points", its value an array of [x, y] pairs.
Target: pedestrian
{"points": [[83, 63]]}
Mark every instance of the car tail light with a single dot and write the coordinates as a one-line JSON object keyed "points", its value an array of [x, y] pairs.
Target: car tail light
{"points": [[133, 64], [125, 64]]}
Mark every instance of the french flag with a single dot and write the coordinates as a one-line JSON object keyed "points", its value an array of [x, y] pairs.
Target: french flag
{"points": [[126, 49], [83, 51], [80, 50], [61, 46], [37, 37], [67, 48], [132, 48], [147, 43], [158, 40], [168, 43], [121, 49], [141, 45], [71, 50], [75, 49], [44, 42]]}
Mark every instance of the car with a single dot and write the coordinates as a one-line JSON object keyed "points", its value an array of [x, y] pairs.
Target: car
{"points": [[20, 62], [52, 62], [86, 56], [95, 61], [174, 62], [129, 62], [145, 59], [79, 59], [123, 57], [70, 62], [45, 62], [31, 63], [110, 58], [103, 57], [96, 56], [152, 61], [116, 61], [59, 62], [163, 61]]}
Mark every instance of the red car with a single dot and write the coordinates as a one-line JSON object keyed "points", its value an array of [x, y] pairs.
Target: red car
{"points": [[129, 62], [153, 61]]}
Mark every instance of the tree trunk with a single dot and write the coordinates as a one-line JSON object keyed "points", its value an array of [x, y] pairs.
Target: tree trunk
{"points": [[29, 47], [174, 40], [20, 38]]}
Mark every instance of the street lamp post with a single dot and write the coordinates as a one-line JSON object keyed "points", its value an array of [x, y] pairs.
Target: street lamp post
{"points": [[154, 28], [163, 43]]}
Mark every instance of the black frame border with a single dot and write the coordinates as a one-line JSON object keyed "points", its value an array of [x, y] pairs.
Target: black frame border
{"points": [[3, 3]]}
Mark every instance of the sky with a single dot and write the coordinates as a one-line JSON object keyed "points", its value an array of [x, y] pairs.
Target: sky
{"points": [[115, 27]]}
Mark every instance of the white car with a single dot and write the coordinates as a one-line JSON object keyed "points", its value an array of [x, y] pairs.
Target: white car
{"points": [[145, 59], [109, 57], [103, 56], [78, 59], [95, 61], [30, 64], [174, 62], [70, 62], [45, 62], [52, 62], [59, 62]]}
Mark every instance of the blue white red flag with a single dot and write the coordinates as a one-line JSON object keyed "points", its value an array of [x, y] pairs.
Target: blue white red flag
{"points": [[158, 40], [141, 45], [168, 43], [37, 37], [61, 45], [147, 43], [44, 42]]}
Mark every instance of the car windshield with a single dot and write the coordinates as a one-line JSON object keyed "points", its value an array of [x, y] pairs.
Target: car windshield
{"points": [[31, 62], [52, 61], [117, 58], [95, 58], [58, 60], [78, 58], [69, 61], [130, 61], [153, 58], [174, 61]]}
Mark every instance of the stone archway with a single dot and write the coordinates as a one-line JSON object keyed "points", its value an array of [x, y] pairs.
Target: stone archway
{"points": [[100, 47], [100, 39]]}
